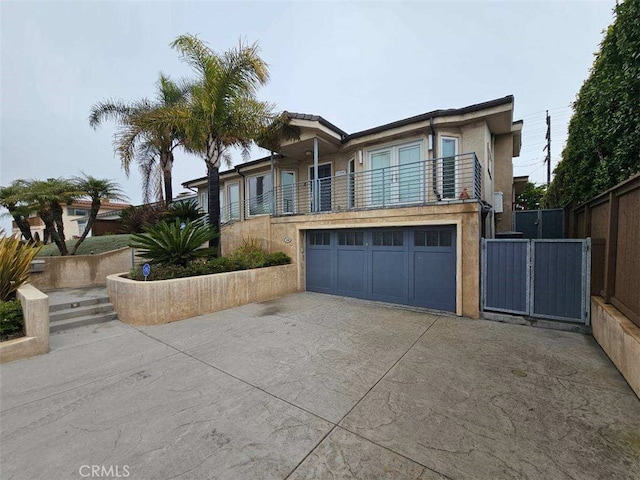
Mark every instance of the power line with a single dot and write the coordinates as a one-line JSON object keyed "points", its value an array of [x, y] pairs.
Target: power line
{"points": [[548, 110]]}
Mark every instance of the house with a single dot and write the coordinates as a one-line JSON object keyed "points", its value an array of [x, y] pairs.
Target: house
{"points": [[74, 218], [394, 213]]}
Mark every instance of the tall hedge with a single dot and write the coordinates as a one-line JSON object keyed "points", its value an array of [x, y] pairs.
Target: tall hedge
{"points": [[603, 145]]}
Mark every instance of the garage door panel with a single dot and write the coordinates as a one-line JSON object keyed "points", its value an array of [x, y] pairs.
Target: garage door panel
{"points": [[351, 270], [388, 275], [319, 270], [410, 265], [432, 280]]}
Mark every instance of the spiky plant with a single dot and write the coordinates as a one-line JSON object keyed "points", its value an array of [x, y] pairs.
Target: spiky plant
{"points": [[15, 265], [184, 210], [174, 243]]}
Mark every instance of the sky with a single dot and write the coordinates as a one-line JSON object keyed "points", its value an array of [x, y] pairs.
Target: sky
{"points": [[357, 64]]}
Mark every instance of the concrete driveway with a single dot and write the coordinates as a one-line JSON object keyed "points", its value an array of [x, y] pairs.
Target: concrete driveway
{"points": [[316, 386]]}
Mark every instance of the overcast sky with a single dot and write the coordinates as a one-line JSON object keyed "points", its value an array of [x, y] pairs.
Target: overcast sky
{"points": [[357, 64]]}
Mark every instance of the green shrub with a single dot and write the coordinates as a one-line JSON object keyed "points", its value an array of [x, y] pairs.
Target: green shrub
{"points": [[15, 265], [277, 258], [185, 211], [135, 219], [213, 265], [174, 243], [11, 319]]}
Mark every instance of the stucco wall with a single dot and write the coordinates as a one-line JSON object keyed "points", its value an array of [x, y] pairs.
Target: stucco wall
{"points": [[503, 154], [233, 234], [286, 234], [35, 307], [619, 337], [80, 270], [164, 301]]}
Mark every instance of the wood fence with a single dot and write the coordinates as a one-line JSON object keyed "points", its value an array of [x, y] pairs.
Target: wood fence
{"points": [[612, 220]]}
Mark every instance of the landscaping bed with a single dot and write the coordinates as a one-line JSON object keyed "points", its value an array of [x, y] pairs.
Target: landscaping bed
{"points": [[91, 245], [11, 320], [238, 261]]}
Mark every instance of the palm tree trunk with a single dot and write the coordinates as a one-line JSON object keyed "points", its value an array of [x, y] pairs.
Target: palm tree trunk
{"points": [[58, 231], [166, 163], [49, 222], [25, 228], [93, 213], [213, 184]]}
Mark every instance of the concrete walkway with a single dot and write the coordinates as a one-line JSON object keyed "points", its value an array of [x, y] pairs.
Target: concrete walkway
{"points": [[316, 386]]}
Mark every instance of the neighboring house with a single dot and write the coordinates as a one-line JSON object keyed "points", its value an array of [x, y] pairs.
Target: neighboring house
{"points": [[74, 218], [394, 213]]}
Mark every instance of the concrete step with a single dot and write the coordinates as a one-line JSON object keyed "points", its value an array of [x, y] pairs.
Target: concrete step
{"points": [[80, 311], [66, 324], [78, 303]]}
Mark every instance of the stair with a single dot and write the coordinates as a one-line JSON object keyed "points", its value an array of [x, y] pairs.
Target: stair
{"points": [[78, 312]]}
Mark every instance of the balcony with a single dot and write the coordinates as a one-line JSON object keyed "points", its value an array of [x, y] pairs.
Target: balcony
{"points": [[435, 181]]}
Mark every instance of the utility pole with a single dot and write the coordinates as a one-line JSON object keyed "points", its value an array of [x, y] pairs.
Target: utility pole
{"points": [[548, 149]]}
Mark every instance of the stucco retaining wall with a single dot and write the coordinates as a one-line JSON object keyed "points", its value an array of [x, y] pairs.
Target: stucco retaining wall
{"points": [[80, 270], [164, 301], [286, 234], [35, 306], [619, 337]]}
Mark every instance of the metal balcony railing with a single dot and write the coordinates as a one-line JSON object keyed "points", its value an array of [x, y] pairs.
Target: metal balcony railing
{"points": [[440, 180], [432, 181]]}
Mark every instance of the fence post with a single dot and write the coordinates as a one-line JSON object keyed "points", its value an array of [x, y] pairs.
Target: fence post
{"points": [[611, 249], [587, 220]]}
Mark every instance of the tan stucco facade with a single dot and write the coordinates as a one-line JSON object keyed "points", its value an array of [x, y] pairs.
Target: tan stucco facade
{"points": [[484, 138], [286, 234], [35, 307], [503, 152]]}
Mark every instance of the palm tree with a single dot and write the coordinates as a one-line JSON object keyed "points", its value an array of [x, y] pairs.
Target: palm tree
{"points": [[150, 144], [223, 110], [47, 198], [12, 198], [97, 189]]}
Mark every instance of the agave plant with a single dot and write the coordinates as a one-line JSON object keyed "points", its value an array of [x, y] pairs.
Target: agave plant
{"points": [[174, 243], [15, 264]]}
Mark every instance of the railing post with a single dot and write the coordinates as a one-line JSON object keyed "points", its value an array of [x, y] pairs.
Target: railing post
{"points": [[384, 186], [316, 182]]}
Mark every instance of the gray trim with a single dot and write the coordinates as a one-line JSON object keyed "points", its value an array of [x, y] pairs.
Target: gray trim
{"points": [[427, 116]]}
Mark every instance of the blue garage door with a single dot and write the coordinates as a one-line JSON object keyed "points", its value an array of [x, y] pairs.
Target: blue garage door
{"points": [[411, 266]]}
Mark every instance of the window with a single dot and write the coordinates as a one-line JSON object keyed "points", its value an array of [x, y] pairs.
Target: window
{"points": [[204, 201], [397, 174], [351, 185], [77, 212], [432, 238], [449, 175], [259, 194], [388, 238], [233, 194], [350, 238], [319, 238], [288, 192], [82, 224], [224, 212]]}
